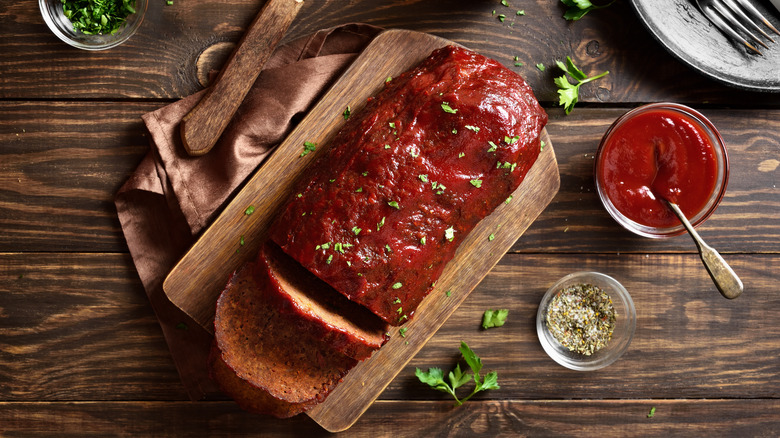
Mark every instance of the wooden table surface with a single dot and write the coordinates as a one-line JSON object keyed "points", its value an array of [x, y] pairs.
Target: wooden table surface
{"points": [[81, 352]]}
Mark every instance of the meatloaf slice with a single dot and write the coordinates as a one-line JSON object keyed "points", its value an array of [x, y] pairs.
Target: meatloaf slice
{"points": [[409, 176], [262, 360], [316, 308]]}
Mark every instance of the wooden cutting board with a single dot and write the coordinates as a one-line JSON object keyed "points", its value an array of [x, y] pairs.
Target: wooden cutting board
{"points": [[195, 283]]}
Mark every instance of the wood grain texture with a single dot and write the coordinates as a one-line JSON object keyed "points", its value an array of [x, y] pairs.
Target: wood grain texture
{"points": [[79, 327], [541, 418], [159, 61]]}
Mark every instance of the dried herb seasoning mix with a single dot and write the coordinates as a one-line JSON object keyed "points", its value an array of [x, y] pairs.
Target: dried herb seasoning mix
{"points": [[581, 318]]}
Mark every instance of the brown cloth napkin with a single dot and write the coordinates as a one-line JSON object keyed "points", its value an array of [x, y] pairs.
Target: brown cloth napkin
{"points": [[171, 196]]}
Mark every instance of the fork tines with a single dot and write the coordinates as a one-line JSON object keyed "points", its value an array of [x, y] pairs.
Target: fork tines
{"points": [[729, 16]]}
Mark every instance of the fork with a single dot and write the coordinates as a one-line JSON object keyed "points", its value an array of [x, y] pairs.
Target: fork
{"points": [[729, 16]]}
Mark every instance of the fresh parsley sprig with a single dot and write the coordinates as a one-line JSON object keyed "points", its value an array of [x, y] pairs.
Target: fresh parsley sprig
{"points": [[578, 8], [456, 378], [568, 92]]}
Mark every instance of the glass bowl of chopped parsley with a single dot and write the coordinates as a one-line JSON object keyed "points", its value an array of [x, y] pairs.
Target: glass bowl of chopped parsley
{"points": [[93, 24], [586, 321]]}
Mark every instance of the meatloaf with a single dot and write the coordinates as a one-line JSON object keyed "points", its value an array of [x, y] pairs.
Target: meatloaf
{"points": [[316, 308], [260, 357], [383, 210]]}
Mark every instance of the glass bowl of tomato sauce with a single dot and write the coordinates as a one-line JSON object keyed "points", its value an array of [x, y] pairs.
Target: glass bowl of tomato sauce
{"points": [[656, 153]]}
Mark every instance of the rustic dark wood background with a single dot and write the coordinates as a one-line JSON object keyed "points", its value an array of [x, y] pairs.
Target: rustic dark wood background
{"points": [[81, 352]]}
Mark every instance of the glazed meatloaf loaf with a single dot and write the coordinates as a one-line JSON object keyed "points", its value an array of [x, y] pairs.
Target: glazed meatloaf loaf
{"points": [[380, 214], [260, 357]]}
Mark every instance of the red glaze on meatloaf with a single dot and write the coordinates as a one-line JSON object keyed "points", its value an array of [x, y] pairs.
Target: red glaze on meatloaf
{"points": [[407, 178], [262, 360], [315, 307]]}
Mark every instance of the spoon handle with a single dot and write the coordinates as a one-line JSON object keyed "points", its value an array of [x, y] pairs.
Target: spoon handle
{"points": [[726, 280]]}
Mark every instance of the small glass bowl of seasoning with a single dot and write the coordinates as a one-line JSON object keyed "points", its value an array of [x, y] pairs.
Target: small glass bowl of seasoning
{"points": [[659, 152], [91, 25], [586, 321]]}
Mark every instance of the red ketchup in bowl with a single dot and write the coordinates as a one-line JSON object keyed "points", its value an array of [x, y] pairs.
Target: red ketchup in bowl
{"points": [[658, 152]]}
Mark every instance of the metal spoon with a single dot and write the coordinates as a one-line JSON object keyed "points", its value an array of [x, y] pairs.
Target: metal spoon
{"points": [[727, 282]]}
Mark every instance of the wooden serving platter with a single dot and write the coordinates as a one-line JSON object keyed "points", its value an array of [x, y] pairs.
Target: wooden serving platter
{"points": [[195, 283]]}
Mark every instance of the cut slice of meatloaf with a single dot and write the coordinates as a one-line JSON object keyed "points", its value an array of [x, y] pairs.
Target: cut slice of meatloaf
{"points": [[317, 308], [262, 360], [383, 210]]}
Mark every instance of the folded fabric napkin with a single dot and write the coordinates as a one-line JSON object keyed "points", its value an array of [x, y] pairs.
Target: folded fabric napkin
{"points": [[172, 196]]}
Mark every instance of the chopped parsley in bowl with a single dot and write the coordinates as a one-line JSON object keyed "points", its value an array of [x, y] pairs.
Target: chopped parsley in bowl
{"points": [[93, 24]]}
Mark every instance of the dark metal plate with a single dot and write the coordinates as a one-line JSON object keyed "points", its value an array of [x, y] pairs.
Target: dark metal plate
{"points": [[686, 33]]}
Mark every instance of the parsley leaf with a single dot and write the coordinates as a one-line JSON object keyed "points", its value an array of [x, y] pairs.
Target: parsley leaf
{"points": [[447, 108], [347, 112], [434, 377], [249, 210], [578, 8], [308, 147], [494, 318], [568, 92]]}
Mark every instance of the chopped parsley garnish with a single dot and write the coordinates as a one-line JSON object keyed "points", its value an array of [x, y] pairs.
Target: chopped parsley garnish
{"points": [[651, 414], [394, 204], [505, 3], [541, 148], [454, 131], [402, 331], [449, 233], [540, 66], [511, 140], [456, 378], [359, 189], [476, 183], [356, 230], [501, 17], [491, 237], [447, 108], [448, 293], [422, 240], [330, 259], [414, 152], [521, 12], [509, 199], [397, 285], [388, 79], [392, 125], [249, 210], [241, 241], [472, 127], [380, 224], [494, 318], [461, 155], [308, 147], [423, 178], [347, 112], [97, 17], [387, 248], [493, 146], [569, 93]]}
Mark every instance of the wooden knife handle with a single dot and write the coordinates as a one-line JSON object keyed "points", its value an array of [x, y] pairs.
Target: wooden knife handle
{"points": [[203, 125]]}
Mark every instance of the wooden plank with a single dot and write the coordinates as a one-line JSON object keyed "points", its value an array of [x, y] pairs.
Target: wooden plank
{"points": [[160, 60], [60, 165], [79, 327], [538, 418], [59, 172]]}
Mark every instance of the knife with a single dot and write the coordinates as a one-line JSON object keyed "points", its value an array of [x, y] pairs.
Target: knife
{"points": [[202, 126]]}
